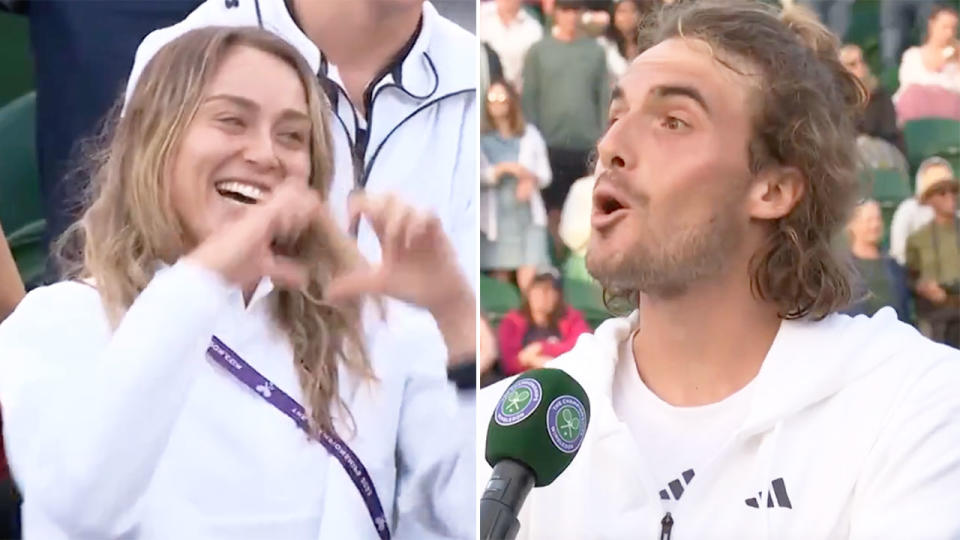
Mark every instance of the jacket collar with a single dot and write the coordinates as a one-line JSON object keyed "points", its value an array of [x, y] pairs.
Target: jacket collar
{"points": [[432, 64], [807, 361], [592, 363], [416, 69], [263, 290]]}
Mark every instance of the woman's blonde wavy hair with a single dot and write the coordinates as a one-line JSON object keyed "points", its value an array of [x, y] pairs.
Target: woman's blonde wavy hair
{"points": [[804, 113], [127, 228]]}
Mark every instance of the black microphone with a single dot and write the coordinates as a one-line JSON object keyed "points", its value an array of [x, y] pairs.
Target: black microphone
{"points": [[533, 435]]}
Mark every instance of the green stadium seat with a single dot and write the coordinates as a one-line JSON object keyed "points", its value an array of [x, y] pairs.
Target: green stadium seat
{"points": [[575, 267], [31, 261], [497, 298], [587, 297], [21, 210], [16, 66], [582, 291], [864, 27], [889, 187], [928, 137]]}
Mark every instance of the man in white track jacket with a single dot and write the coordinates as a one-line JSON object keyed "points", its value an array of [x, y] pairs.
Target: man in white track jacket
{"points": [[734, 402]]}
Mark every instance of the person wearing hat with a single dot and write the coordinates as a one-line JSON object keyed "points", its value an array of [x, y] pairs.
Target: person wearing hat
{"points": [[933, 257], [911, 214], [543, 328], [566, 92]]}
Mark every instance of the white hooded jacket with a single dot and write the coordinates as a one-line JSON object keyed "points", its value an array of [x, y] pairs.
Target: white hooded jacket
{"points": [[857, 418], [134, 433]]}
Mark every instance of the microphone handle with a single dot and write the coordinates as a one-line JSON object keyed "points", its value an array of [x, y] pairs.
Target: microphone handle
{"points": [[508, 487]]}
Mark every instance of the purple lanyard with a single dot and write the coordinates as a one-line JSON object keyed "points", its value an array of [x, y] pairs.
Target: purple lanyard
{"points": [[231, 361]]}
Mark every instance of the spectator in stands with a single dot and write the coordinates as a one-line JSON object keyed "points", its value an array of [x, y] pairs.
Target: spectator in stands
{"points": [[898, 20], [11, 292], [543, 328], [933, 259], [209, 216], [513, 217], [879, 118], [881, 281], [911, 214], [620, 39], [11, 288], [835, 14], [510, 31], [565, 94], [930, 73]]}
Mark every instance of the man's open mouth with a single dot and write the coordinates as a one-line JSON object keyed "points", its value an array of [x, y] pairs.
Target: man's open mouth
{"points": [[608, 207], [606, 203], [241, 191]]}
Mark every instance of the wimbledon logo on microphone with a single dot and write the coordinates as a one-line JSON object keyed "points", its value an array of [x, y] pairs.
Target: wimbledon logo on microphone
{"points": [[518, 402], [566, 423]]}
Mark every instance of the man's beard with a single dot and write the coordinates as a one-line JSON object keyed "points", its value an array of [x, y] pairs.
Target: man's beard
{"points": [[666, 267]]}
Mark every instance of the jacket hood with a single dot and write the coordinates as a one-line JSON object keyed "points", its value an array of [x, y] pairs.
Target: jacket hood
{"points": [[807, 362]]}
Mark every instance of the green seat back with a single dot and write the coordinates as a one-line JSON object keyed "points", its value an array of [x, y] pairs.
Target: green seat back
{"points": [[586, 296], [864, 27], [887, 186], [575, 267], [31, 261], [21, 209], [928, 137], [497, 298], [16, 65], [20, 202]]}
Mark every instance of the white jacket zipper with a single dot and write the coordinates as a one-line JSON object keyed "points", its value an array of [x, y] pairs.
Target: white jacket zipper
{"points": [[666, 525]]}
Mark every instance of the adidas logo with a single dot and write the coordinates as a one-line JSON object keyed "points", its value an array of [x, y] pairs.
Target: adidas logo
{"points": [[676, 486], [779, 492]]}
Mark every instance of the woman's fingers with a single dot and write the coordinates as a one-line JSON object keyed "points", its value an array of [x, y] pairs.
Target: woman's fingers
{"points": [[285, 271], [415, 232], [371, 207], [288, 213], [395, 223], [396, 218], [425, 233], [357, 283]]}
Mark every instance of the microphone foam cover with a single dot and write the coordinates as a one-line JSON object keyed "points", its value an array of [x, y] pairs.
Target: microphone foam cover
{"points": [[540, 421]]}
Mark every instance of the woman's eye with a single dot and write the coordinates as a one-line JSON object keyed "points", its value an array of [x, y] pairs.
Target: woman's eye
{"points": [[231, 121], [294, 136]]}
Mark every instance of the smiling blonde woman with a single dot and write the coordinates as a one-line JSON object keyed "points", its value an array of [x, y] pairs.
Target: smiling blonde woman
{"points": [[211, 295]]}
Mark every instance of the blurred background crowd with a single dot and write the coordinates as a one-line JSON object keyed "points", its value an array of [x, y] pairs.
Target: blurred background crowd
{"points": [[548, 69]]}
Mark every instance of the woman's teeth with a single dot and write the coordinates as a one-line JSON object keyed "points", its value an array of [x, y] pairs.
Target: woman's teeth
{"points": [[240, 192]]}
